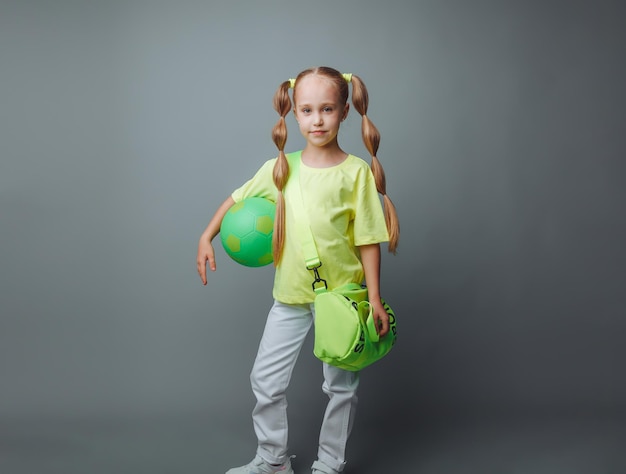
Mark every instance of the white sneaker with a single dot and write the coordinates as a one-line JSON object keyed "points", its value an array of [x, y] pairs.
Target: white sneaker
{"points": [[319, 467], [259, 466]]}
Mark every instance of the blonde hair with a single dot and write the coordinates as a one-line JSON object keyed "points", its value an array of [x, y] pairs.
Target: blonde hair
{"points": [[371, 139]]}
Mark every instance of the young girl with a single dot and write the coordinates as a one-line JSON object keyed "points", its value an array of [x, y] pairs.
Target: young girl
{"points": [[340, 194]]}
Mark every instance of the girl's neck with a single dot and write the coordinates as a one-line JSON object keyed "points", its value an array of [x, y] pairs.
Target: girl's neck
{"points": [[316, 157]]}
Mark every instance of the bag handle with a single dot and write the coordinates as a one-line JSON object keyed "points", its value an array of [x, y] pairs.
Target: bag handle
{"points": [[372, 333], [366, 313]]}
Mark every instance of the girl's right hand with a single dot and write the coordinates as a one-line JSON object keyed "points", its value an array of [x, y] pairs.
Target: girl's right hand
{"points": [[205, 253], [205, 248]]}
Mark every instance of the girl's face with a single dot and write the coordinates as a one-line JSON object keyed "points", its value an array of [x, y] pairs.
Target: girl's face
{"points": [[318, 110]]}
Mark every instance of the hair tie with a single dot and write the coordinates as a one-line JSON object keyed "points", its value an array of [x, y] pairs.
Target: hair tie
{"points": [[292, 83]]}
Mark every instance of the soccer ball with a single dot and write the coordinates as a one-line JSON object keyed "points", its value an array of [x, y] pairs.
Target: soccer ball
{"points": [[246, 231]]}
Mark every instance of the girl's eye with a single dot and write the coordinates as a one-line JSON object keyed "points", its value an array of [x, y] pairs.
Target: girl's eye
{"points": [[328, 109], [306, 111]]}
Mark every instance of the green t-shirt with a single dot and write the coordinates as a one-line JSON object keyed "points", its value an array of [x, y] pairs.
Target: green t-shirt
{"points": [[344, 212]]}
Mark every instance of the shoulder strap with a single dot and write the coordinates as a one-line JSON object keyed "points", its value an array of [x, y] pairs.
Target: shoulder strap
{"points": [[303, 228]]}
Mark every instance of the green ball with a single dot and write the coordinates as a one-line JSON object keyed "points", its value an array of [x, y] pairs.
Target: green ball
{"points": [[246, 231]]}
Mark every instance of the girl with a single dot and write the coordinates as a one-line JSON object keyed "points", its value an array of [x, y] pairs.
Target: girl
{"points": [[340, 194]]}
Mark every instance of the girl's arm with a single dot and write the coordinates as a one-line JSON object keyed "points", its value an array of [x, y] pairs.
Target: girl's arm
{"points": [[205, 248], [370, 257]]}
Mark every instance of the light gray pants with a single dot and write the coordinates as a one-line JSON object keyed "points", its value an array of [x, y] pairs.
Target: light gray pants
{"points": [[285, 330]]}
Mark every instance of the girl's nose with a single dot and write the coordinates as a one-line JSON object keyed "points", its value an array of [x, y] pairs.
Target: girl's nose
{"points": [[318, 120]]}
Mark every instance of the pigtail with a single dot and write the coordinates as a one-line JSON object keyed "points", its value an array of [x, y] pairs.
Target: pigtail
{"points": [[282, 105], [371, 139]]}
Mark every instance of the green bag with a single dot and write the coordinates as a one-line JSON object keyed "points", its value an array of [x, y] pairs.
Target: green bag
{"points": [[345, 335]]}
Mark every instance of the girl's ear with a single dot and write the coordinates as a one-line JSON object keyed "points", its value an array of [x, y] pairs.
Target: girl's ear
{"points": [[345, 112]]}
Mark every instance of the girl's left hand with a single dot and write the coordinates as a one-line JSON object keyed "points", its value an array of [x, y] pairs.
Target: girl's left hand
{"points": [[381, 318]]}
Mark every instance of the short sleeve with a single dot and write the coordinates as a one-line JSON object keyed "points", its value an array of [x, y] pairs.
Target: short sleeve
{"points": [[260, 185], [369, 219]]}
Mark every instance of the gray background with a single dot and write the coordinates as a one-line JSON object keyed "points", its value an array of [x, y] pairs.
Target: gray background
{"points": [[124, 124]]}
